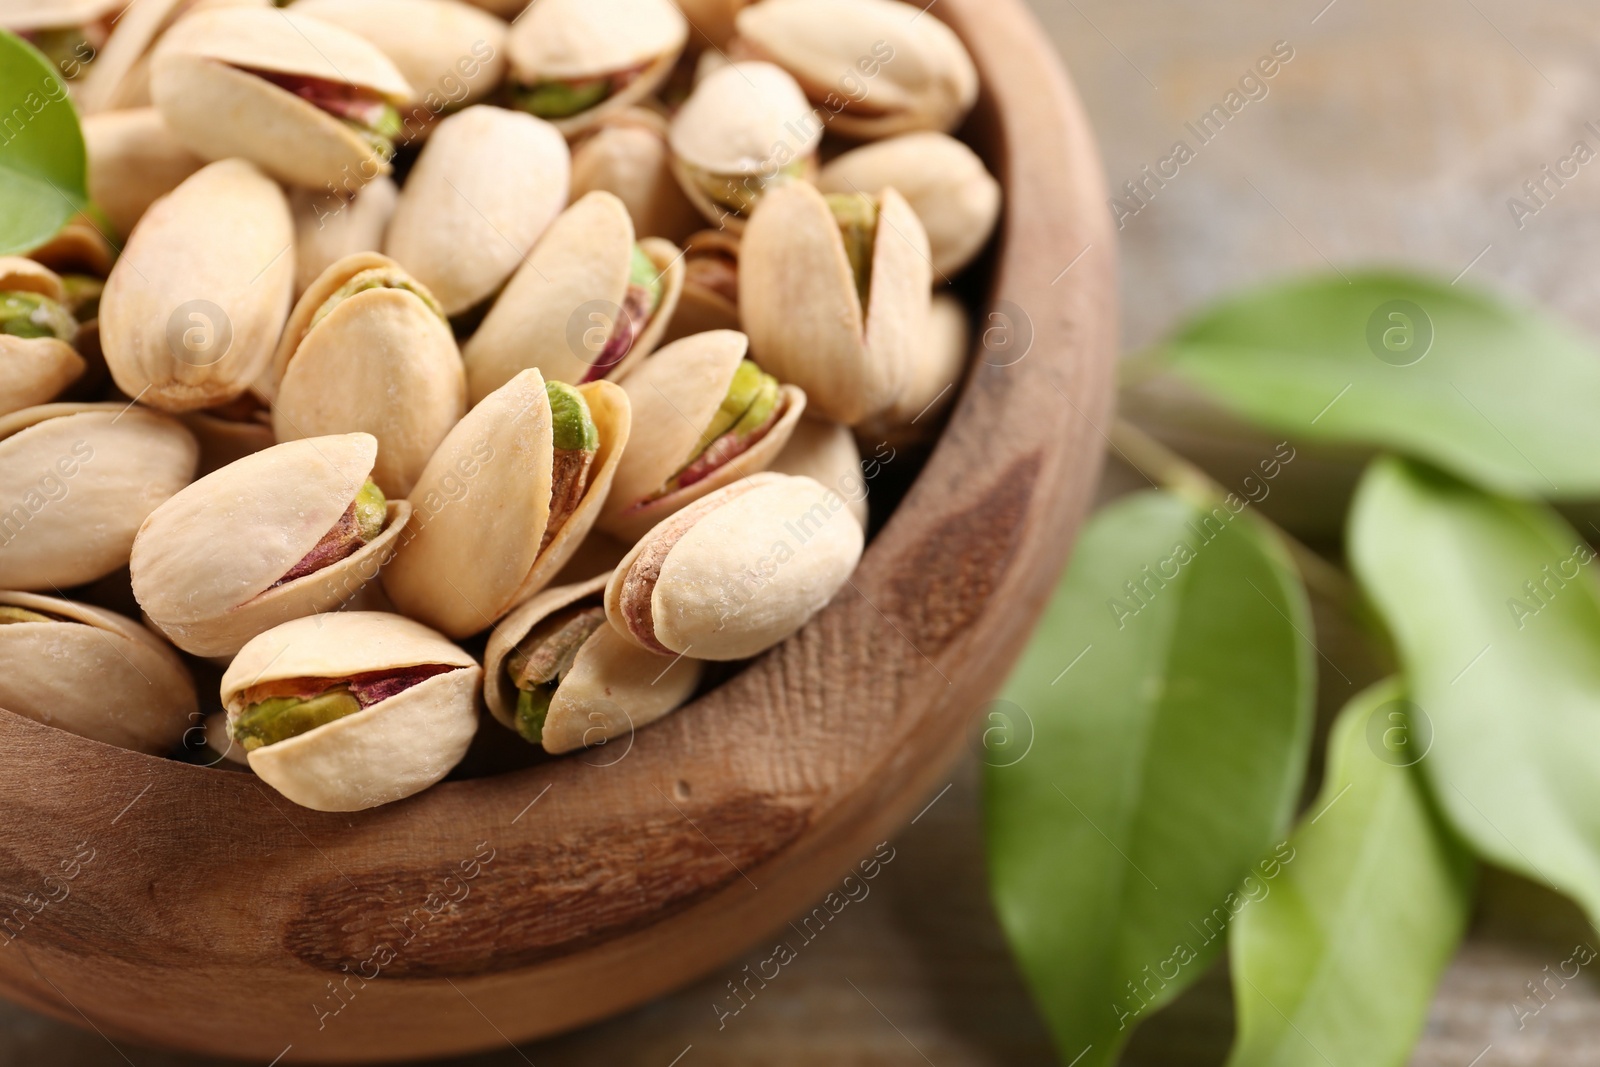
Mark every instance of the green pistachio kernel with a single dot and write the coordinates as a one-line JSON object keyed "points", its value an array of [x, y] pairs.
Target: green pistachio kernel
{"points": [[371, 509], [642, 274], [10, 614], [739, 192], [380, 134], [751, 389], [532, 707], [280, 718], [570, 420], [25, 314], [376, 278], [857, 216], [561, 100], [544, 657]]}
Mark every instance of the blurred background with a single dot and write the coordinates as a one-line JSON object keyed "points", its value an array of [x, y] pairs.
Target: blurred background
{"points": [[1398, 132]]}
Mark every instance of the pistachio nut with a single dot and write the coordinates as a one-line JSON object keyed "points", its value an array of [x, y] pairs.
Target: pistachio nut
{"points": [[367, 348], [626, 154], [880, 67], [574, 61], [746, 129], [134, 160], [560, 676], [92, 673], [483, 189], [834, 293], [194, 306], [710, 299], [310, 103], [704, 416], [915, 416], [352, 709], [37, 360], [736, 572], [451, 53], [331, 225], [76, 482], [588, 303], [77, 248], [291, 530], [506, 499], [119, 78], [944, 181], [712, 21], [215, 729], [826, 453], [69, 32], [231, 431]]}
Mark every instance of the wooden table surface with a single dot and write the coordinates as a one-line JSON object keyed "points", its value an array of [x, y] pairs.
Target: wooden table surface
{"points": [[1397, 132]]}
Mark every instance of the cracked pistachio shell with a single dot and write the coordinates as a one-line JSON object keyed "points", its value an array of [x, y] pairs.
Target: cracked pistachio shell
{"points": [[329, 226], [710, 298], [33, 370], [134, 160], [571, 40], [626, 154], [219, 110], [559, 309], [381, 362], [483, 502], [77, 248], [742, 124], [205, 563], [434, 43], [915, 416], [221, 242], [119, 77], [383, 753], [944, 181], [798, 300], [675, 395], [901, 68], [826, 452], [96, 674], [614, 686], [484, 188], [76, 482], [736, 572]]}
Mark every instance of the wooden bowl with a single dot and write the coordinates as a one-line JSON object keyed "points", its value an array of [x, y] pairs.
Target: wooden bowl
{"points": [[194, 908]]}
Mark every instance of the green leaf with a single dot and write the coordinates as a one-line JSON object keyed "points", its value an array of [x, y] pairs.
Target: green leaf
{"points": [[42, 163], [1493, 605], [1170, 693], [1501, 395], [1337, 959]]}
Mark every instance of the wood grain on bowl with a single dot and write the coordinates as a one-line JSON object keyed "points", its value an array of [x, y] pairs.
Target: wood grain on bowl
{"points": [[213, 915]]}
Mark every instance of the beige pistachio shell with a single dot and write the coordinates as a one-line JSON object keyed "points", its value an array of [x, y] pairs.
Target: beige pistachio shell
{"points": [[627, 155], [24, 15], [742, 124], [482, 504], [893, 67], [434, 43], [193, 308], [77, 248], [914, 418], [331, 225], [76, 482], [119, 77], [826, 452], [199, 82], [205, 563], [98, 675], [710, 299], [134, 160], [613, 687], [739, 571], [712, 21], [486, 185], [577, 39], [798, 300], [383, 753], [944, 181], [381, 362], [33, 370], [674, 396], [561, 306]]}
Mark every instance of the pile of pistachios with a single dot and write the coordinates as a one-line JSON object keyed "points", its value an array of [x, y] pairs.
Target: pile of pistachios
{"points": [[418, 356]]}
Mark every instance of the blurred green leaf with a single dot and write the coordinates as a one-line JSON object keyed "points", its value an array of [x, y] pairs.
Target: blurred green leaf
{"points": [[42, 163], [1502, 395], [1337, 960], [1170, 698], [1493, 605]]}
